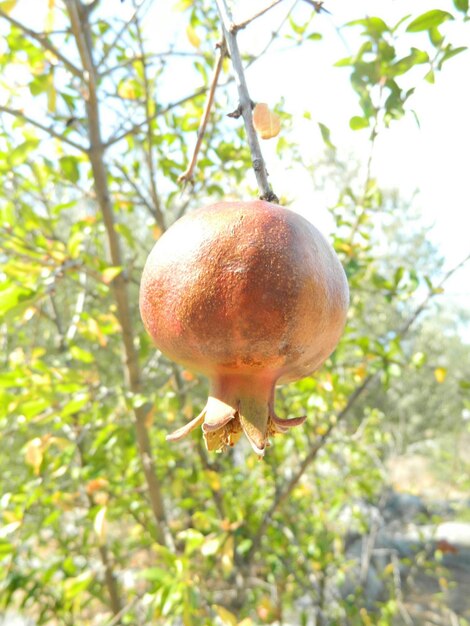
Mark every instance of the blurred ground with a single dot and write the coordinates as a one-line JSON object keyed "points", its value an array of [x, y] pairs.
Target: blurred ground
{"points": [[437, 591]]}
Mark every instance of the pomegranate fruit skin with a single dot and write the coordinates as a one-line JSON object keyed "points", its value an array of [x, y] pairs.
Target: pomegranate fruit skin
{"points": [[249, 294]]}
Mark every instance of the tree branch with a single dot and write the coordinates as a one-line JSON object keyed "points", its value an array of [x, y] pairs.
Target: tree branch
{"points": [[259, 166], [47, 129], [136, 188], [82, 33], [244, 24], [130, 131], [45, 43], [188, 174], [157, 212], [149, 57], [119, 34]]}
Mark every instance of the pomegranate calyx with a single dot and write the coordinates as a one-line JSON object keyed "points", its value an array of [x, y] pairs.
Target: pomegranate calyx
{"points": [[218, 414], [187, 428], [279, 425]]}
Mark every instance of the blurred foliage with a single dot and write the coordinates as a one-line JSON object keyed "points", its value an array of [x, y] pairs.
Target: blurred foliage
{"points": [[237, 541]]}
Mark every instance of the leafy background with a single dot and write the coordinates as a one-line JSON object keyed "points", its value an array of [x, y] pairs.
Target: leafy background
{"points": [[103, 521]]}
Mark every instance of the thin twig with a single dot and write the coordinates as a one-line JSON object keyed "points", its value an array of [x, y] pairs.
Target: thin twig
{"points": [[259, 166], [130, 131], [47, 129], [136, 188], [149, 57], [117, 618], [431, 294], [244, 24], [157, 212], [119, 34], [45, 43], [189, 172], [274, 36]]}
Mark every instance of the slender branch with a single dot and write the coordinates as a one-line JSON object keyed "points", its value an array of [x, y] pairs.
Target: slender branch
{"points": [[430, 295], [283, 494], [189, 172], [136, 188], [45, 43], [274, 36], [259, 165], [111, 581], [47, 129], [119, 34], [244, 24], [117, 618], [131, 131], [82, 33], [149, 57], [157, 212]]}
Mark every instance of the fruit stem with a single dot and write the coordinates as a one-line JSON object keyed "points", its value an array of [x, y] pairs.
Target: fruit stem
{"points": [[259, 166]]}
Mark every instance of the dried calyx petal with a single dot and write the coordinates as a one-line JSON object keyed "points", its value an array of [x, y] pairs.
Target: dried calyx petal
{"points": [[223, 425]]}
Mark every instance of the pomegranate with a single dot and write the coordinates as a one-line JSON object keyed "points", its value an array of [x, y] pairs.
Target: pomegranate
{"points": [[249, 294]]}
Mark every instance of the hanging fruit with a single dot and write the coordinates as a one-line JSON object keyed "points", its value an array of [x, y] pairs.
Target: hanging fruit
{"points": [[249, 294]]}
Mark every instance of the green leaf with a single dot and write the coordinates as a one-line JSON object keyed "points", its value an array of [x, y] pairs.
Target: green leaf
{"points": [[357, 123], [154, 574], [110, 273], [5, 548], [75, 586], [81, 355], [69, 168], [34, 407], [428, 20], [436, 37], [374, 26], [449, 53], [297, 28], [461, 5], [325, 133], [399, 272], [19, 154], [75, 405], [11, 295]]}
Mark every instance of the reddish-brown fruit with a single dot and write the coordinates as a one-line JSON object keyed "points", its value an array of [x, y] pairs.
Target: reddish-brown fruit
{"points": [[250, 294]]}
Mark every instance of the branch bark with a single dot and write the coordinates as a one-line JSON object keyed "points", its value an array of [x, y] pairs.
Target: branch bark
{"points": [[82, 34], [47, 129], [259, 166], [189, 173]]}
